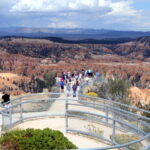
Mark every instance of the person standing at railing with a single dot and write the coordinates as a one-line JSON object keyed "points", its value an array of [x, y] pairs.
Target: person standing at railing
{"points": [[63, 75], [6, 100]]}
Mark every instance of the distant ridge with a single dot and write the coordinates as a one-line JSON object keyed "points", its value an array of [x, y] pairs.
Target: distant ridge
{"points": [[71, 34], [90, 41], [84, 41], [138, 49]]}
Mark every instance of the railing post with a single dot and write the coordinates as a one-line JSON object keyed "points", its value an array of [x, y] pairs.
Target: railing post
{"points": [[114, 129], [66, 113], [78, 92], [49, 101], [106, 111], [2, 125], [10, 115], [21, 112]]}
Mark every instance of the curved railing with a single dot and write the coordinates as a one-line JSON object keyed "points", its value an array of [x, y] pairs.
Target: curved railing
{"points": [[94, 112], [113, 117]]}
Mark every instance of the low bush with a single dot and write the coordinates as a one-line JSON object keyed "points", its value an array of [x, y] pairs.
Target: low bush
{"points": [[35, 139], [94, 130], [124, 138], [49, 79], [86, 89], [92, 94], [146, 107]]}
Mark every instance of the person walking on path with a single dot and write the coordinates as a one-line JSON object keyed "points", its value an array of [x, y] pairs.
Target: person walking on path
{"points": [[62, 85], [97, 74], [77, 82], [80, 77], [68, 88], [74, 88]]}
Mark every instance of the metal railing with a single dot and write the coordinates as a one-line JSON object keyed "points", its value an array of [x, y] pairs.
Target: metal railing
{"points": [[98, 117]]}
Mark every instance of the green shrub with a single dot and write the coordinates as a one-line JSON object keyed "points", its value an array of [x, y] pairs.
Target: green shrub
{"points": [[146, 129], [117, 90], [35, 139], [124, 138], [146, 107], [49, 79]]}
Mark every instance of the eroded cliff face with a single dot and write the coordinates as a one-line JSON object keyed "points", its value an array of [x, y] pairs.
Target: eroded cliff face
{"points": [[12, 83], [140, 96], [28, 57]]}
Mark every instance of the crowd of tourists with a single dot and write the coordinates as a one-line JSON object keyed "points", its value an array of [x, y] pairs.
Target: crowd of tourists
{"points": [[72, 80], [68, 80]]}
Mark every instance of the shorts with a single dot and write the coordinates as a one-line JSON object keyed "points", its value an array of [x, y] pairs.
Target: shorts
{"points": [[62, 87]]}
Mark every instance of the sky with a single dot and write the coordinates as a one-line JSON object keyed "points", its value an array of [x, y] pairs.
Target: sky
{"points": [[94, 14]]}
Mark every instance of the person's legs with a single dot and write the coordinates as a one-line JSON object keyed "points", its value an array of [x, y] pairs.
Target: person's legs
{"points": [[7, 108], [62, 89], [68, 93], [74, 93]]}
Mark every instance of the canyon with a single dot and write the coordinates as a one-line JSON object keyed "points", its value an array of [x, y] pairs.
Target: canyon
{"points": [[28, 57]]}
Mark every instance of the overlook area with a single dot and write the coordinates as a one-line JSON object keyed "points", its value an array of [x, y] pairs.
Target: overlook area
{"points": [[87, 121], [75, 74]]}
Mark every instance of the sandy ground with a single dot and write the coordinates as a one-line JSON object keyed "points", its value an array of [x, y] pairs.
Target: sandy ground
{"points": [[59, 124]]}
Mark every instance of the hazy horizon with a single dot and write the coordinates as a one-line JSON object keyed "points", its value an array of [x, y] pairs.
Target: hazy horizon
{"points": [[63, 28], [122, 15]]}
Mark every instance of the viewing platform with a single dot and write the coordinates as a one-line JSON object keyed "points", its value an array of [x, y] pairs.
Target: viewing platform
{"points": [[89, 122]]}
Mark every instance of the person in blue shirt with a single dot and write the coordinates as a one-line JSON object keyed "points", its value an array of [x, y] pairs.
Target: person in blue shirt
{"points": [[74, 88], [62, 85], [97, 74]]}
